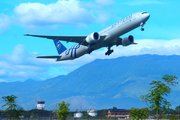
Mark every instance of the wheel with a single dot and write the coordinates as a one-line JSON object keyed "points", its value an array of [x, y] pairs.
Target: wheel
{"points": [[107, 53]]}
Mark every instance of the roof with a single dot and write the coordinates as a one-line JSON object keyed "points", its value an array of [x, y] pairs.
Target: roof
{"points": [[40, 101], [117, 110]]}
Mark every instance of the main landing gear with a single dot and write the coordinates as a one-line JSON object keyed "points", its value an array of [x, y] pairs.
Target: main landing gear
{"points": [[90, 50], [109, 51], [142, 24]]}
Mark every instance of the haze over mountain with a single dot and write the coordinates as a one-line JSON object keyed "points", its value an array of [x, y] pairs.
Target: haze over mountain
{"points": [[103, 83]]}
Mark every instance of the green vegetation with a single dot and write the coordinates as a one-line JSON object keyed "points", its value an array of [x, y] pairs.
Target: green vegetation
{"points": [[141, 113], [156, 97], [114, 107], [177, 108], [62, 110], [10, 102], [13, 110]]}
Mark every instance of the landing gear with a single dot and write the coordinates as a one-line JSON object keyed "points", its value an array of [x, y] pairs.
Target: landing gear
{"points": [[90, 50], [109, 51], [142, 24]]}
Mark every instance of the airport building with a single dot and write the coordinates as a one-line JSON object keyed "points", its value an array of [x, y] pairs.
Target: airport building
{"points": [[120, 113], [40, 105]]}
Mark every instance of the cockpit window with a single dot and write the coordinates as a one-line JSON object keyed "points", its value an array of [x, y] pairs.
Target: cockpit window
{"points": [[144, 12]]}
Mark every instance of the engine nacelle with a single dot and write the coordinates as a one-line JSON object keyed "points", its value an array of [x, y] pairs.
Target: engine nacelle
{"points": [[93, 37], [127, 40]]}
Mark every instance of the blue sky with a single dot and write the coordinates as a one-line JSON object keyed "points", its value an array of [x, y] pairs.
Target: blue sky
{"points": [[78, 17]]}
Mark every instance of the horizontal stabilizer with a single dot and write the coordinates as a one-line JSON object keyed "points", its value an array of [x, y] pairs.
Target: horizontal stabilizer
{"points": [[50, 57]]}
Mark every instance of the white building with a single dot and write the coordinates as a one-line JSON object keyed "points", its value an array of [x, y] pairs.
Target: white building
{"points": [[40, 105], [92, 112]]}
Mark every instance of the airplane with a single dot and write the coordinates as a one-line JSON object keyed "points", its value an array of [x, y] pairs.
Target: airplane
{"points": [[108, 37]]}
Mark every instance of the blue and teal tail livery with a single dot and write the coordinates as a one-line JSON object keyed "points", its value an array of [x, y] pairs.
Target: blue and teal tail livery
{"points": [[59, 46]]}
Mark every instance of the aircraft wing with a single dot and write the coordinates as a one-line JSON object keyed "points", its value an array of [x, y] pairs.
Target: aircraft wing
{"points": [[76, 39]]}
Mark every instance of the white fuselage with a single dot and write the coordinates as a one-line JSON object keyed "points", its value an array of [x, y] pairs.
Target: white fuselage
{"points": [[111, 34]]}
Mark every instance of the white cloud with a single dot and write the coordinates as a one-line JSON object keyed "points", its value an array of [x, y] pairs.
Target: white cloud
{"points": [[2, 72], [1, 80], [103, 17], [4, 23], [18, 54], [20, 73], [61, 12], [21, 64], [143, 2], [18, 66], [117, 96], [160, 47], [144, 46], [105, 2]]}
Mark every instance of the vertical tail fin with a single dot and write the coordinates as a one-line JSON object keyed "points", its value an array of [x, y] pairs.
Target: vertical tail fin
{"points": [[59, 46]]}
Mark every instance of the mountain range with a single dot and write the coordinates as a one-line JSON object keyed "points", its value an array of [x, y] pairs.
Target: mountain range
{"points": [[100, 84]]}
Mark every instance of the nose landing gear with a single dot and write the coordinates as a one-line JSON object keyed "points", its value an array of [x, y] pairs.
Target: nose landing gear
{"points": [[142, 24]]}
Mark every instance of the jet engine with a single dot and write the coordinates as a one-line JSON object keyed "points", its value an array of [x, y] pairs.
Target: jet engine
{"points": [[92, 38], [127, 40]]}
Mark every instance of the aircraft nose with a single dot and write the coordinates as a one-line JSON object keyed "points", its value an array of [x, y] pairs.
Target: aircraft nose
{"points": [[145, 15], [148, 15]]}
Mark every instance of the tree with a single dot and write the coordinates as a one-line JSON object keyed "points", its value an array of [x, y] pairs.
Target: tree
{"points": [[10, 102], [114, 107], [156, 96], [139, 113], [62, 110], [177, 108], [12, 107]]}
